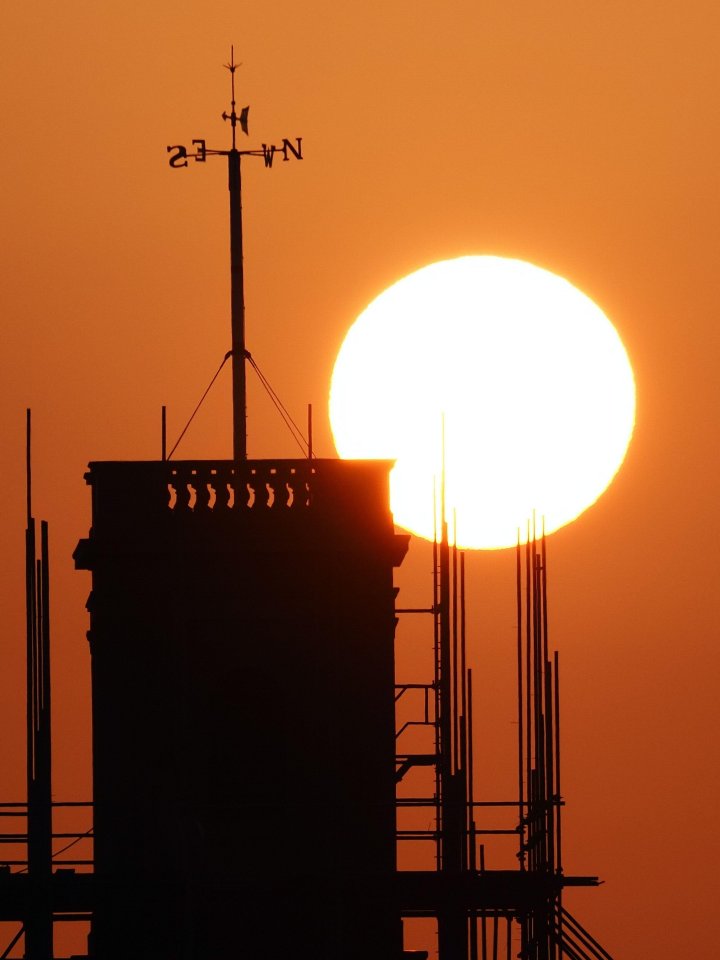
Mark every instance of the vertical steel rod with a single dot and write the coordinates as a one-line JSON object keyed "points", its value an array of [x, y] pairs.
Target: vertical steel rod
{"points": [[544, 595], [558, 790], [471, 805], [538, 702], [28, 462], [455, 673], [529, 812], [436, 683], [163, 433], [237, 310], [521, 732], [471, 779], [446, 698], [463, 654], [465, 732], [39, 921], [550, 775], [44, 751]]}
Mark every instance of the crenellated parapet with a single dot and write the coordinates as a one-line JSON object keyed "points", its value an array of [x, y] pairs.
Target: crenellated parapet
{"points": [[252, 485]]}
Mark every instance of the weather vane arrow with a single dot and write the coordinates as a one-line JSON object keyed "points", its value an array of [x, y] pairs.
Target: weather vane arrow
{"points": [[199, 152], [289, 148], [232, 116]]}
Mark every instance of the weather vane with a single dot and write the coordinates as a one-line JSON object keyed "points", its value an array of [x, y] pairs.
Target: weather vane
{"points": [[199, 152]]}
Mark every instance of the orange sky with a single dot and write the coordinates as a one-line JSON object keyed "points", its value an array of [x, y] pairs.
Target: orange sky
{"points": [[582, 137]]}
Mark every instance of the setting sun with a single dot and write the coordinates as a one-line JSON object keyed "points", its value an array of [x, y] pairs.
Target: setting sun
{"points": [[530, 378]]}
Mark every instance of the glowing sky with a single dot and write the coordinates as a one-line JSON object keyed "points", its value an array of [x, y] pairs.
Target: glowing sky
{"points": [[584, 138]]}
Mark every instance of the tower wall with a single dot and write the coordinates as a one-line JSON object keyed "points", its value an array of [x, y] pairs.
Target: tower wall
{"points": [[242, 627]]}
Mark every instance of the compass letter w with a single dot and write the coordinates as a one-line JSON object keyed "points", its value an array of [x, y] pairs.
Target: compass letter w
{"points": [[268, 154]]}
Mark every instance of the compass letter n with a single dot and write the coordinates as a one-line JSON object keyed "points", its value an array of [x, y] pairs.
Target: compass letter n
{"points": [[295, 151]]}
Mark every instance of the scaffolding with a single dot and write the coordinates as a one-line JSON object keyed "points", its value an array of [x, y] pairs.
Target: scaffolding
{"points": [[481, 913]]}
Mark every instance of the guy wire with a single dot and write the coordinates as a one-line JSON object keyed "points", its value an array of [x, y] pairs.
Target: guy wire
{"points": [[295, 431], [200, 401]]}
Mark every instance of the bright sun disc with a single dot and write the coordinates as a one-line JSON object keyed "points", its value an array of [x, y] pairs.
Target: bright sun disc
{"points": [[530, 378]]}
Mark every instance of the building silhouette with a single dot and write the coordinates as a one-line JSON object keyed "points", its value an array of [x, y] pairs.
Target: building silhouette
{"points": [[242, 621]]}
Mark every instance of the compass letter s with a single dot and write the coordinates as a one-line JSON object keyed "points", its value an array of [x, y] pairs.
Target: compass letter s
{"points": [[179, 157]]}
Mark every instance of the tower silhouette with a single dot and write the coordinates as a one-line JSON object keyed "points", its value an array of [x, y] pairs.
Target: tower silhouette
{"points": [[242, 621]]}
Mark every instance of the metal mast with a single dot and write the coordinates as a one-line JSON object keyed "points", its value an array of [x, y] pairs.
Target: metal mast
{"points": [[237, 286], [199, 152]]}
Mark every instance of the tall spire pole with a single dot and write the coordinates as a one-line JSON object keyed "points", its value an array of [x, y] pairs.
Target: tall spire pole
{"points": [[199, 152], [237, 284]]}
